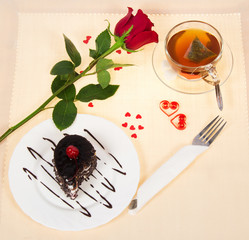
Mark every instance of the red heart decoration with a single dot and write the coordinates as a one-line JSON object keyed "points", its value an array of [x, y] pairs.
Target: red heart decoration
{"points": [[90, 104], [127, 114], [134, 135], [117, 68], [138, 116], [125, 124], [179, 121], [118, 51], [132, 127], [140, 127], [169, 108], [87, 39]]}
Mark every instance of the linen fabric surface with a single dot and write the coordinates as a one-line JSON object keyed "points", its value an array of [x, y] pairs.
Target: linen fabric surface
{"points": [[209, 200]]}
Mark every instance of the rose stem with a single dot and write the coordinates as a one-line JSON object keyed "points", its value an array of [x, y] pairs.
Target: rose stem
{"points": [[42, 107]]}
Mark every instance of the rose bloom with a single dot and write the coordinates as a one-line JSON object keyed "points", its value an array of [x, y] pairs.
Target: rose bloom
{"points": [[141, 32]]}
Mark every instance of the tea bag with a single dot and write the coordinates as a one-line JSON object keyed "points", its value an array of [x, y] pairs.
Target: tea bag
{"points": [[198, 52]]}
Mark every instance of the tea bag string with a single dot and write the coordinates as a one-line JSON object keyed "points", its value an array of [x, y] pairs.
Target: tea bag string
{"points": [[195, 70]]}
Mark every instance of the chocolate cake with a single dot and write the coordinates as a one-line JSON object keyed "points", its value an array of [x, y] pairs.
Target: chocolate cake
{"points": [[74, 160]]}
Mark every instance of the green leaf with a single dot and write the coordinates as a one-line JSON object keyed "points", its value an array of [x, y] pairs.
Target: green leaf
{"points": [[72, 51], [104, 78], [93, 53], [104, 64], [92, 91], [102, 75], [64, 114], [103, 43], [64, 77], [68, 94], [62, 67], [120, 65]]}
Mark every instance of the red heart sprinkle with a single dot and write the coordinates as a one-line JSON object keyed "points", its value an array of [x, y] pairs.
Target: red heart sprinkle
{"points": [[117, 68], [90, 104], [127, 114], [179, 121], [134, 135], [118, 51], [87, 39], [125, 124], [132, 127], [169, 108], [140, 127], [128, 52], [138, 116]]}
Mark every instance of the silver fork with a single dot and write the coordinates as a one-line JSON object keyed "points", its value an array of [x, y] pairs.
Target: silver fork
{"points": [[210, 132], [176, 164]]}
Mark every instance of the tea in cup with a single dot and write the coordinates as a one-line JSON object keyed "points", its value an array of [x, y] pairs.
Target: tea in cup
{"points": [[193, 48]]}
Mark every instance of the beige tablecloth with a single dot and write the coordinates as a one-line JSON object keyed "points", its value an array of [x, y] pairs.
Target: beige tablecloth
{"points": [[207, 201]]}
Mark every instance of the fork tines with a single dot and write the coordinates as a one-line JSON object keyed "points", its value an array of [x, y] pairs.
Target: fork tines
{"points": [[212, 130]]}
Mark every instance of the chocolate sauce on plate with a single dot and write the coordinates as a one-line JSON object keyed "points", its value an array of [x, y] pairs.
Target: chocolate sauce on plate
{"points": [[105, 182]]}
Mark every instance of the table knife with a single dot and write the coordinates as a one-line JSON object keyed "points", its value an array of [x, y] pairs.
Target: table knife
{"points": [[164, 175]]}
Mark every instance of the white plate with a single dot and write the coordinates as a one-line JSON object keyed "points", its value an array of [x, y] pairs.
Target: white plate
{"points": [[103, 197]]}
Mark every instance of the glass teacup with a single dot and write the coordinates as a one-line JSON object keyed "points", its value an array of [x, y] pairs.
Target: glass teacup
{"points": [[193, 48]]}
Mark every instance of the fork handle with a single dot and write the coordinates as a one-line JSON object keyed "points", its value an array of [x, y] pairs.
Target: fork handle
{"points": [[164, 175]]}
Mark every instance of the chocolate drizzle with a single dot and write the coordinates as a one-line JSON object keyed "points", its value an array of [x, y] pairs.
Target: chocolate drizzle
{"points": [[94, 138], [51, 142], [57, 195], [86, 212], [123, 173], [110, 186], [49, 174], [90, 196], [108, 204], [29, 173], [116, 160], [34, 153], [95, 195]]}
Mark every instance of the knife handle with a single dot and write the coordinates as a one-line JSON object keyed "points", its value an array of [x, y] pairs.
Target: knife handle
{"points": [[164, 175]]}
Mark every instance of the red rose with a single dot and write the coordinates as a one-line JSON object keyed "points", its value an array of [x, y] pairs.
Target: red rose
{"points": [[141, 32]]}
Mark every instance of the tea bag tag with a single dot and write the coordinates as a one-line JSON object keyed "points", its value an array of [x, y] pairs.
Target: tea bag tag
{"points": [[198, 52]]}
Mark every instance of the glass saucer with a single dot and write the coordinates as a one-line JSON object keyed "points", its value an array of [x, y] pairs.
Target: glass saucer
{"points": [[172, 80]]}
